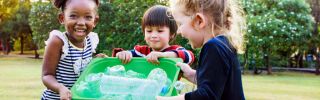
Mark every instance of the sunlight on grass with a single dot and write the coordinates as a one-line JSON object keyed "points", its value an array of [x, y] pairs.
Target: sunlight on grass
{"points": [[285, 85], [20, 79]]}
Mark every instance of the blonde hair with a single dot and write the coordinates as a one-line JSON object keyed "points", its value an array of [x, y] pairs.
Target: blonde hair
{"points": [[226, 17]]}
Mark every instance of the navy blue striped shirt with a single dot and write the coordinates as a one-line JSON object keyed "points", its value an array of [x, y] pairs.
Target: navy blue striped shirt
{"points": [[70, 67]]}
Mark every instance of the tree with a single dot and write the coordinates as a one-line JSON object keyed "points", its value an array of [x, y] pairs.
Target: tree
{"points": [[7, 10], [277, 27], [315, 6], [42, 19], [23, 29]]}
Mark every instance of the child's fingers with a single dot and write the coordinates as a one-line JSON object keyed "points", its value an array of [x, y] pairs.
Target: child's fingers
{"points": [[101, 55], [127, 56], [121, 57], [153, 59]]}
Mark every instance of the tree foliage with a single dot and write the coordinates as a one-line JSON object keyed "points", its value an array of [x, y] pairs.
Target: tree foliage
{"points": [[120, 23], [43, 19], [7, 10], [277, 27]]}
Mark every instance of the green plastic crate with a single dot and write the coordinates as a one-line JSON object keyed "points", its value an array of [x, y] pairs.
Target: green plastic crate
{"points": [[139, 65]]}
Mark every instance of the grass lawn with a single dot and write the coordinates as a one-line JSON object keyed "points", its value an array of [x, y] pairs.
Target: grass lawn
{"points": [[20, 80]]}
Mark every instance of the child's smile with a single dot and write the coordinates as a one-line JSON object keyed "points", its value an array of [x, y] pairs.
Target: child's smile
{"points": [[80, 32], [79, 19], [157, 37]]}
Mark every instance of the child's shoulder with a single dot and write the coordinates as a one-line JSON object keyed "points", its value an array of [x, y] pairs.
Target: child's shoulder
{"points": [[94, 40], [219, 42], [55, 37], [57, 40]]}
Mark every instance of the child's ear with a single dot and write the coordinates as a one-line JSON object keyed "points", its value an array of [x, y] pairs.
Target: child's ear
{"points": [[199, 21], [96, 20], [61, 18]]}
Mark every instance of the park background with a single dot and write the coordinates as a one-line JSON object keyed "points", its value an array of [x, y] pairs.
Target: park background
{"points": [[281, 60]]}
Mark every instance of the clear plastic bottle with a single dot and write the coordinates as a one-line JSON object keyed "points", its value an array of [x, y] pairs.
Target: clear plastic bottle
{"points": [[136, 88], [117, 70]]}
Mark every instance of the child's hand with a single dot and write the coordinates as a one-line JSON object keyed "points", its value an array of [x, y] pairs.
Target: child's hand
{"points": [[188, 72], [153, 57], [124, 56], [64, 93], [101, 55]]}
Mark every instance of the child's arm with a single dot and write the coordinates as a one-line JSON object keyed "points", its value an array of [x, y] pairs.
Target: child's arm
{"points": [[51, 59], [188, 72], [175, 51], [186, 55], [101, 55], [154, 55]]}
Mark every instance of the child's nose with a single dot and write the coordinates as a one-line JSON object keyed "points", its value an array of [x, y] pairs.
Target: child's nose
{"points": [[154, 35], [81, 21]]}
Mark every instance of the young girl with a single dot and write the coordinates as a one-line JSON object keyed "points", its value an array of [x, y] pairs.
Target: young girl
{"points": [[213, 26], [158, 31], [68, 53]]}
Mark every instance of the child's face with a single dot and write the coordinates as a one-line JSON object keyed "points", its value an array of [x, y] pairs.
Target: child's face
{"points": [[79, 18], [186, 29], [157, 37]]}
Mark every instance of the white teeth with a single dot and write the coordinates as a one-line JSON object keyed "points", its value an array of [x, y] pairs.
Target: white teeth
{"points": [[80, 30]]}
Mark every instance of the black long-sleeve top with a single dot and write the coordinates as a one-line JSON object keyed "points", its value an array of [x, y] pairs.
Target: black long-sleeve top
{"points": [[218, 75]]}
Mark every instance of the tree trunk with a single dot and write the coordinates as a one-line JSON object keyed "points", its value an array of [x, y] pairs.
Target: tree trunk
{"points": [[5, 46], [36, 54], [21, 44], [269, 68], [8, 46], [318, 63], [289, 62], [299, 60]]}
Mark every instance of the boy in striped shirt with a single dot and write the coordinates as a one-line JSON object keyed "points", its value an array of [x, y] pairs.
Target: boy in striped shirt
{"points": [[158, 31]]}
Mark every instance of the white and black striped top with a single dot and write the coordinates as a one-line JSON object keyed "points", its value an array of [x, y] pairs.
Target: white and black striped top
{"points": [[70, 66]]}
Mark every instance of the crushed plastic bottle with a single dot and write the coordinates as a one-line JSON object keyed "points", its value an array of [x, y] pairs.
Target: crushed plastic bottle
{"points": [[88, 86], [165, 89], [117, 84], [179, 86], [124, 85], [159, 75], [133, 74], [93, 77], [117, 70]]}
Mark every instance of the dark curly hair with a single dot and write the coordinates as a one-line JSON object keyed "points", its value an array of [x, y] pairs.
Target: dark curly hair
{"points": [[61, 4]]}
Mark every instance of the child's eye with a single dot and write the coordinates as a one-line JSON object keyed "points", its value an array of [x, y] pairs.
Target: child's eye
{"points": [[149, 31], [160, 31], [72, 16], [89, 17]]}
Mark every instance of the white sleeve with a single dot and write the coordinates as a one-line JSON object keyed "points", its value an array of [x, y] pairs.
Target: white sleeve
{"points": [[63, 37], [94, 41]]}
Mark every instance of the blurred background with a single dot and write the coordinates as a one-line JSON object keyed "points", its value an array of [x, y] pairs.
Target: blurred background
{"points": [[281, 60]]}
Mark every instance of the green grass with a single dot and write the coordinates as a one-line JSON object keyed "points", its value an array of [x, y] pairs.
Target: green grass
{"points": [[282, 86], [20, 79]]}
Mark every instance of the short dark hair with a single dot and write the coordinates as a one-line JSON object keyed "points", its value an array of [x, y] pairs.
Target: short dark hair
{"points": [[61, 4], [158, 16]]}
